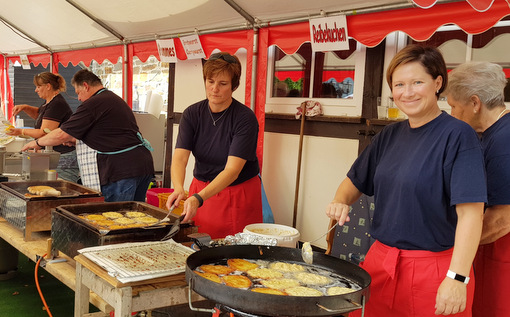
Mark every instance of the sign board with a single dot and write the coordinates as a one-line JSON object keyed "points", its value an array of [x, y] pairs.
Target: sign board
{"points": [[192, 47], [25, 64], [166, 50], [329, 34]]}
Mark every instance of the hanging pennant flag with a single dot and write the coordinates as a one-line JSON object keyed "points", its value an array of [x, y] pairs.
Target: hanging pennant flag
{"points": [[329, 34], [166, 50], [192, 46]]}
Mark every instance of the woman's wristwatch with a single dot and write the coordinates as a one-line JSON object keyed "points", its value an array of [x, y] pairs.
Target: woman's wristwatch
{"points": [[199, 198], [457, 277]]}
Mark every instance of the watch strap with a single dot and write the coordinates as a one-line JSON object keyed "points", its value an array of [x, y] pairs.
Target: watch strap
{"points": [[199, 198], [457, 277]]}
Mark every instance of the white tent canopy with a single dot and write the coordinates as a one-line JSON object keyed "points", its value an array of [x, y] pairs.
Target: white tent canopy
{"points": [[34, 27]]}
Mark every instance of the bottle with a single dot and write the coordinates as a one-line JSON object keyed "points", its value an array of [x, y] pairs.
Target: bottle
{"points": [[19, 122]]}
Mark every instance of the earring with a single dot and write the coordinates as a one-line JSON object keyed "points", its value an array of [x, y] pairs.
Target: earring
{"points": [[437, 91]]}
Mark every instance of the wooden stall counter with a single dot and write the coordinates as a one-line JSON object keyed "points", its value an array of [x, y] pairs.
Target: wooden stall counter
{"points": [[63, 271], [92, 283], [126, 297]]}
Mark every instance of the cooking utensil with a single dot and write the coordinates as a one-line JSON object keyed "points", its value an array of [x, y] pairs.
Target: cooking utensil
{"points": [[255, 303], [167, 217], [174, 228], [71, 233], [306, 249]]}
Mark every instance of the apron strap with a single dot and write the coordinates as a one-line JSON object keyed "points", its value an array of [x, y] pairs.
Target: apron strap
{"points": [[145, 143]]}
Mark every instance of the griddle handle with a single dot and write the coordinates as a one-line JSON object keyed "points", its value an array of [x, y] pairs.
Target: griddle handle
{"points": [[356, 305], [190, 289], [202, 240]]}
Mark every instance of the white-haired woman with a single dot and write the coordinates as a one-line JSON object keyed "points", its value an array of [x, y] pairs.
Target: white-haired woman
{"points": [[476, 95]]}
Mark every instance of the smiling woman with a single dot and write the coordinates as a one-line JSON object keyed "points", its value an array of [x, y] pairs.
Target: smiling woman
{"points": [[438, 196]]}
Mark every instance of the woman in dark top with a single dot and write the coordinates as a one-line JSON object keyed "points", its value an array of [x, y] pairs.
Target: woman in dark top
{"points": [[48, 117], [221, 132], [427, 178], [476, 95]]}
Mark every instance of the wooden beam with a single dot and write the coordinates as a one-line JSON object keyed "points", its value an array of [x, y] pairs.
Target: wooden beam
{"points": [[170, 120]]}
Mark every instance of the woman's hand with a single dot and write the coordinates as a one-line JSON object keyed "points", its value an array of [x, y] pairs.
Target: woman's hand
{"points": [[175, 197], [339, 212], [451, 297], [17, 109], [190, 208], [13, 131]]}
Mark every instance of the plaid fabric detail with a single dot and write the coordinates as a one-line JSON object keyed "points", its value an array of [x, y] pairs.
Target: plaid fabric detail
{"points": [[87, 161]]}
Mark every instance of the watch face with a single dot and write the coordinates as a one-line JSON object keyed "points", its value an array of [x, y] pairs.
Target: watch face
{"points": [[46, 130]]}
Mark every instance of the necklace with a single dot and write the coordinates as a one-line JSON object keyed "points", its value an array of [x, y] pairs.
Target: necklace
{"points": [[47, 102], [501, 114], [214, 121]]}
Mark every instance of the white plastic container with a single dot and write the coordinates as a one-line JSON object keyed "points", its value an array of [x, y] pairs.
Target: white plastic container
{"points": [[285, 235], [16, 144]]}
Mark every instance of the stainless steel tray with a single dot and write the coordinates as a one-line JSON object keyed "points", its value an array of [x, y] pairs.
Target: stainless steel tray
{"points": [[71, 233], [30, 213], [132, 262]]}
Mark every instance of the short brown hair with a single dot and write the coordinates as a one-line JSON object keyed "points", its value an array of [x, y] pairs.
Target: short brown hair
{"points": [[223, 62], [428, 56], [85, 76]]}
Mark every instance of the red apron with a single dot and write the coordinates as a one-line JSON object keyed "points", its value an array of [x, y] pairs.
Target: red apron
{"points": [[229, 211], [492, 274], [405, 282]]}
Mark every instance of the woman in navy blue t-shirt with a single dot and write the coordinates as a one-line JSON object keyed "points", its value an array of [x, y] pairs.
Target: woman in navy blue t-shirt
{"points": [[222, 133], [476, 95], [427, 177]]}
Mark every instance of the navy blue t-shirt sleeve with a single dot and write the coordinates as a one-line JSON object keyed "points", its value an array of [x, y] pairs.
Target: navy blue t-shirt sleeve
{"points": [[245, 136], [468, 182]]}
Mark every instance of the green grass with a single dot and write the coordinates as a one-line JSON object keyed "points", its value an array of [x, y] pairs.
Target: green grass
{"points": [[19, 296]]}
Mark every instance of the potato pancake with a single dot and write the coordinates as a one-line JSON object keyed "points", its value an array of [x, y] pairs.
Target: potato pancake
{"points": [[280, 283], [105, 223], [338, 290], [209, 276], [312, 279], [303, 291], [124, 221], [216, 269], [265, 273], [135, 214], [286, 267], [146, 219], [112, 214], [237, 281], [95, 217], [266, 290], [241, 265]]}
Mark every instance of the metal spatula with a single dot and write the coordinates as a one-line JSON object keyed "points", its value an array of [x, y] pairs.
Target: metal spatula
{"points": [[167, 217], [173, 229], [306, 249]]}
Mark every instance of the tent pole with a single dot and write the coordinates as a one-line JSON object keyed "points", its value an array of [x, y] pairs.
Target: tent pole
{"points": [[254, 61], [125, 75], [3, 95]]}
